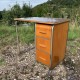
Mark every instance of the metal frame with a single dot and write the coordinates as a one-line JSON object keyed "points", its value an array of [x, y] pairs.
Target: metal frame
{"points": [[17, 38], [18, 48], [51, 43], [35, 39], [66, 39]]}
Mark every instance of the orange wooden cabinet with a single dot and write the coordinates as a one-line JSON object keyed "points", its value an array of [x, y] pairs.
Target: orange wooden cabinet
{"points": [[51, 43], [50, 38]]}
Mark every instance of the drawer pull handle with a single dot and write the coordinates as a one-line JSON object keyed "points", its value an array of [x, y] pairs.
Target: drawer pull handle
{"points": [[42, 58], [42, 45], [42, 32]]}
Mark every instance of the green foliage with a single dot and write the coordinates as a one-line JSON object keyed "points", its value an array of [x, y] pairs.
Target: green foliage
{"points": [[8, 34], [7, 17], [2, 61], [26, 11], [0, 15], [59, 8], [16, 11], [65, 3], [52, 8], [26, 34], [47, 10], [74, 33], [38, 12]]}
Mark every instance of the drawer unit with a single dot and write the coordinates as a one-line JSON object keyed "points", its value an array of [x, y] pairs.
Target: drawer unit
{"points": [[51, 43], [43, 31], [43, 57], [43, 44]]}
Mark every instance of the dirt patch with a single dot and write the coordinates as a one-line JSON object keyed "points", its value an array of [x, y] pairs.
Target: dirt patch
{"points": [[26, 67]]}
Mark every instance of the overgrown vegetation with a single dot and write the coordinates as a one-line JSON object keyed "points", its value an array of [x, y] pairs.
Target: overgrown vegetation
{"points": [[52, 8], [8, 34], [62, 8], [7, 16], [74, 32], [2, 61], [26, 34]]}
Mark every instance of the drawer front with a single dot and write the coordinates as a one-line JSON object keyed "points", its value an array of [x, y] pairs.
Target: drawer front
{"points": [[43, 30], [43, 57], [43, 44]]}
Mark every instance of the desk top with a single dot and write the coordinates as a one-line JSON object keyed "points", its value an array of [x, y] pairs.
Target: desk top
{"points": [[42, 20]]}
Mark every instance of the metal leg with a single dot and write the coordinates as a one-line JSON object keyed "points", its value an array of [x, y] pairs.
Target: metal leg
{"points": [[49, 75], [17, 38], [18, 51]]}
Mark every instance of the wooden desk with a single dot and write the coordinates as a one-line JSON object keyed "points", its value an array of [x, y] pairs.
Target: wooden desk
{"points": [[50, 39]]}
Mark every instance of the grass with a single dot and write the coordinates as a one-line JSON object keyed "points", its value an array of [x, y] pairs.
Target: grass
{"points": [[73, 46], [2, 62], [26, 34], [8, 34], [74, 32]]}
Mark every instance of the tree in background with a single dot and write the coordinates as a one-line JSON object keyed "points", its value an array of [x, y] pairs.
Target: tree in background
{"points": [[16, 12], [26, 10], [52, 8], [59, 8], [0, 15], [7, 17]]}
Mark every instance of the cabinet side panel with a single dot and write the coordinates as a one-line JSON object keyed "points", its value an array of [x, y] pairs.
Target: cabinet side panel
{"points": [[59, 43]]}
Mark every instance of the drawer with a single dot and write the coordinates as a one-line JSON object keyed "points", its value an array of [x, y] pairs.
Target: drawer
{"points": [[43, 30], [43, 44], [43, 57]]}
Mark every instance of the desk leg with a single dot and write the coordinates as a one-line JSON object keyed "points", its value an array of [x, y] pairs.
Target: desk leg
{"points": [[17, 38], [49, 75], [18, 51]]}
